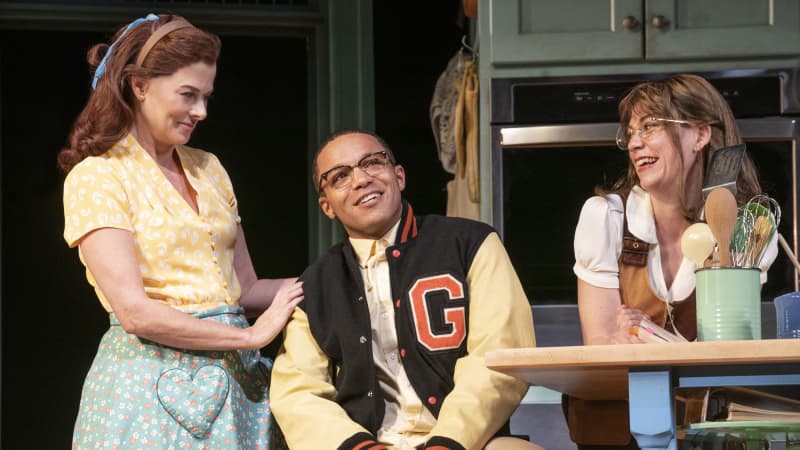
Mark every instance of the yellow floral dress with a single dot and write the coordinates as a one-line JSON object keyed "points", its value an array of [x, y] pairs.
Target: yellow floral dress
{"points": [[139, 394]]}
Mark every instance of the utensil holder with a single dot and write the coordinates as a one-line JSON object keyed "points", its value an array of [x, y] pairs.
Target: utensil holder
{"points": [[728, 303]]}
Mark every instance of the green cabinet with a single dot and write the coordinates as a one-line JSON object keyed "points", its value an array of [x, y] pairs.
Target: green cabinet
{"points": [[721, 28], [598, 31]]}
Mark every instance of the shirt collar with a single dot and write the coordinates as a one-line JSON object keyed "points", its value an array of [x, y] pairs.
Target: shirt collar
{"points": [[131, 147], [639, 212], [365, 248]]}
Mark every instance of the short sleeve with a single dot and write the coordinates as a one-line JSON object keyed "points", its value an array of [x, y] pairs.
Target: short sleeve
{"points": [[94, 198], [598, 241]]}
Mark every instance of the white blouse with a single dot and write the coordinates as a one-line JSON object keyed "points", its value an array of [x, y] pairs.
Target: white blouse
{"points": [[598, 245]]}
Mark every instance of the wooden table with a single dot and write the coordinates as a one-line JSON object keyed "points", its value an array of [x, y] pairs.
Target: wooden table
{"points": [[647, 374]]}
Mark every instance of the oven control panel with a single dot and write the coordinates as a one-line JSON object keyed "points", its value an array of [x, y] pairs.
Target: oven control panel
{"points": [[595, 99]]}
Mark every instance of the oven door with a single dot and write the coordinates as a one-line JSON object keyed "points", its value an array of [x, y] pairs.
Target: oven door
{"points": [[543, 175]]}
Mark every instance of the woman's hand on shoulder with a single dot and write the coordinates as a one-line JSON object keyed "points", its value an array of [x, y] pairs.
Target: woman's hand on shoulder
{"points": [[274, 318]]}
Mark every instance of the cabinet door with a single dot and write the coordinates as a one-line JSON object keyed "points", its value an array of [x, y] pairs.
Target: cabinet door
{"points": [[547, 31], [676, 29]]}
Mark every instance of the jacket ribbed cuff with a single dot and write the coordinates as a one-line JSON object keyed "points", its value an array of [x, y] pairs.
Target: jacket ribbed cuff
{"points": [[443, 443], [361, 441]]}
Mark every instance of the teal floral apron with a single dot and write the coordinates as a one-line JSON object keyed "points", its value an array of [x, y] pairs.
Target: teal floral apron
{"points": [[139, 394]]}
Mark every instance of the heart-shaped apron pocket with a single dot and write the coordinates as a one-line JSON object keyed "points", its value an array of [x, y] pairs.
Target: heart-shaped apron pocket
{"points": [[194, 400]]}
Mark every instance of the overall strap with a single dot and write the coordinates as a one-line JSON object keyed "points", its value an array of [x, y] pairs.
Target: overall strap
{"points": [[635, 288], [634, 250]]}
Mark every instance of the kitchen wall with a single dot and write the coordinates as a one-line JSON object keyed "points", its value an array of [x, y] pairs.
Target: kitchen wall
{"points": [[552, 38]]}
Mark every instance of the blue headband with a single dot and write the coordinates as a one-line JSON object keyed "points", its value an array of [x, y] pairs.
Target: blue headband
{"points": [[101, 68]]}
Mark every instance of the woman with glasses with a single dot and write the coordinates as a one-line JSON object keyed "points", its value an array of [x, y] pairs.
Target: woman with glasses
{"points": [[158, 229], [628, 259]]}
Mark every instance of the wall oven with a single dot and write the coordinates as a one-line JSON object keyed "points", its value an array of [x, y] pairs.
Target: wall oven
{"points": [[553, 142]]}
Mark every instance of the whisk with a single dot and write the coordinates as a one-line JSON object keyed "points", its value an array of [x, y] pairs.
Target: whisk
{"points": [[761, 216], [742, 237]]}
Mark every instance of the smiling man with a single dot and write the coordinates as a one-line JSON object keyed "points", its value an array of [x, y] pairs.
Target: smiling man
{"points": [[387, 349]]}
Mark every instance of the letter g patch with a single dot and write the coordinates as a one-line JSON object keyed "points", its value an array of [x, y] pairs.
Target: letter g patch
{"points": [[439, 316]]}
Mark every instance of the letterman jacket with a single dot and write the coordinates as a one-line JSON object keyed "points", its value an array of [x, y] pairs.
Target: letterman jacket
{"points": [[456, 297]]}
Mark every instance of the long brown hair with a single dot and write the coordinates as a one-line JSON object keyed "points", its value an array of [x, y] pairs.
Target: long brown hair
{"points": [[109, 112], [691, 98]]}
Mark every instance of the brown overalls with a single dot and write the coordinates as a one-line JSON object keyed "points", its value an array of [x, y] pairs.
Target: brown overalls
{"points": [[606, 422]]}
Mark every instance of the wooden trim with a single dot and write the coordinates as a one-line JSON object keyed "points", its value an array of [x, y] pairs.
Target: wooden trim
{"points": [[108, 17]]}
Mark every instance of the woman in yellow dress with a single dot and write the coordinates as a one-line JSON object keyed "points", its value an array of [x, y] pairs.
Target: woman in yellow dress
{"points": [[157, 227]]}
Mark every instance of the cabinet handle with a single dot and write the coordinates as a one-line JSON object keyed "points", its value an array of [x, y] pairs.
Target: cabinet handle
{"points": [[659, 22], [630, 22]]}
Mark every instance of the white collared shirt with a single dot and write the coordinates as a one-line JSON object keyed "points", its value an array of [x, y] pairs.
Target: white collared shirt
{"points": [[406, 421], [598, 245]]}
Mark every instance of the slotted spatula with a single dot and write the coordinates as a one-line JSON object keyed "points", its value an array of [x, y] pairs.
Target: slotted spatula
{"points": [[723, 169]]}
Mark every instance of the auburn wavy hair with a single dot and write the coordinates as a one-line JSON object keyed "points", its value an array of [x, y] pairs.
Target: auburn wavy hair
{"points": [[108, 114]]}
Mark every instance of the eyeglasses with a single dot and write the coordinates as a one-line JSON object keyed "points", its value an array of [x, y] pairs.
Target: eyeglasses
{"points": [[340, 177], [653, 124]]}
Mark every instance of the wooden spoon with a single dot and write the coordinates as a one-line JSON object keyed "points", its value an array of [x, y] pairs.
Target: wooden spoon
{"points": [[721, 212]]}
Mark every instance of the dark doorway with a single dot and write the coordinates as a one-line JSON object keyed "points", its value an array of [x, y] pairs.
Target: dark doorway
{"points": [[413, 43]]}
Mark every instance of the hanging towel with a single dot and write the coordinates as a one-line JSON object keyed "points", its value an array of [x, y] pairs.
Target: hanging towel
{"points": [[463, 192], [443, 110]]}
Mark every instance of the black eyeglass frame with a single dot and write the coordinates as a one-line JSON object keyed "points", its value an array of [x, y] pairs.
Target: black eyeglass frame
{"points": [[360, 164]]}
